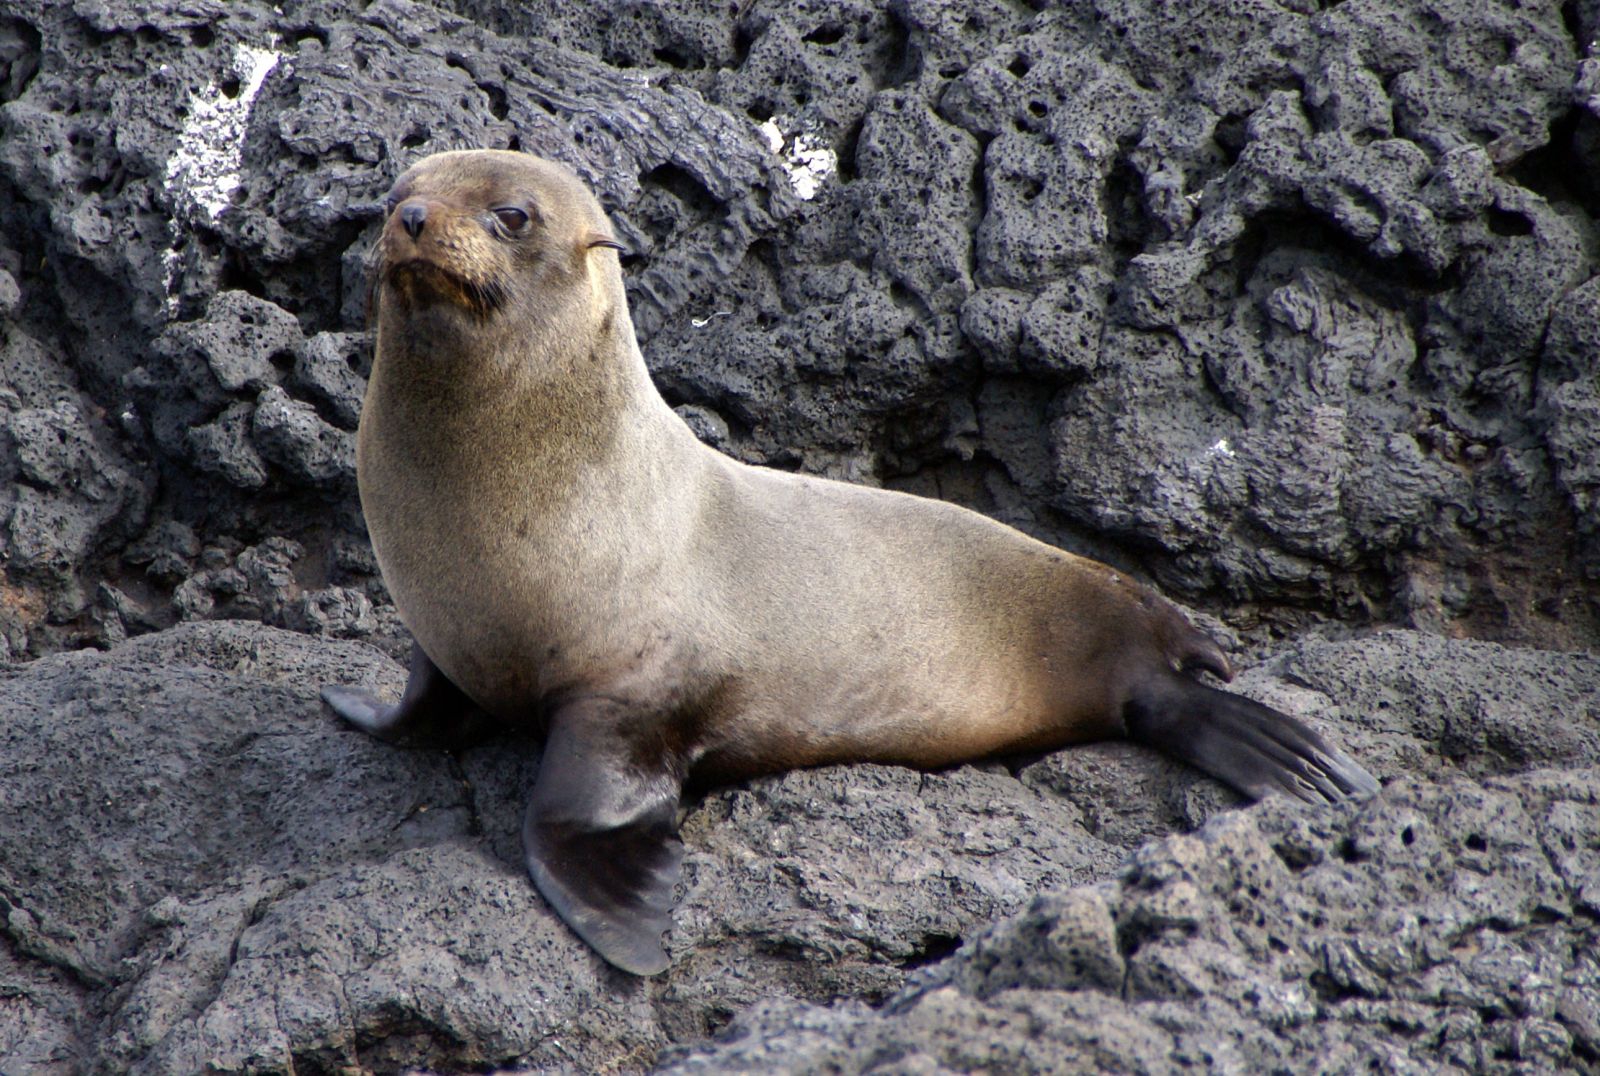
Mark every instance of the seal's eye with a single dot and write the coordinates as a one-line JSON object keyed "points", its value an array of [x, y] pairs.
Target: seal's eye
{"points": [[511, 218]]}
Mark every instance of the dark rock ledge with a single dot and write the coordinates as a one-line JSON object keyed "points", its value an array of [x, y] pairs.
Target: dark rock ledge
{"points": [[202, 869]]}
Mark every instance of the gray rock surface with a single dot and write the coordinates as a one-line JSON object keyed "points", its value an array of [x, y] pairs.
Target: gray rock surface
{"points": [[1312, 289], [204, 867], [1449, 927], [1288, 307]]}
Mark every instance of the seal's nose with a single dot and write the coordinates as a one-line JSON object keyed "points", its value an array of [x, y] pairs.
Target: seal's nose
{"points": [[413, 217]]}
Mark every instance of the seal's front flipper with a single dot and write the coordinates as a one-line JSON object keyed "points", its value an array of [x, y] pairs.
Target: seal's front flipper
{"points": [[433, 712], [1252, 747], [601, 836]]}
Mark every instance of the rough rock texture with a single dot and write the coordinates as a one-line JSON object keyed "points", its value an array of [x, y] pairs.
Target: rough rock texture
{"points": [[1447, 927], [1290, 307], [203, 867]]}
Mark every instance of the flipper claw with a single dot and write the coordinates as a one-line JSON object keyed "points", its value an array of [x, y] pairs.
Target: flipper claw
{"points": [[1252, 747]]}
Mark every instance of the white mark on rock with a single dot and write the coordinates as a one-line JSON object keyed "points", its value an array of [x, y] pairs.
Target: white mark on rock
{"points": [[171, 264], [204, 169], [1222, 448], [807, 159], [769, 131], [701, 323]]}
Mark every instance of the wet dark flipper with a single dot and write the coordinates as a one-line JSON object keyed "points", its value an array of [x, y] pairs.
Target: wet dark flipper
{"points": [[601, 837], [433, 712], [1252, 747]]}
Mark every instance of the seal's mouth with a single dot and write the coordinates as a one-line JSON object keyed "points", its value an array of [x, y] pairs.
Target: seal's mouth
{"points": [[420, 282]]}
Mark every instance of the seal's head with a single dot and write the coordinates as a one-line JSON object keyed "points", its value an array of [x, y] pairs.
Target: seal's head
{"points": [[480, 232]]}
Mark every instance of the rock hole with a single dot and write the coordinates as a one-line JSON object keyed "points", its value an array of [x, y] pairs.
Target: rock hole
{"points": [[1476, 843], [673, 58], [901, 63], [1571, 20], [1019, 65], [1330, 990], [201, 37], [1408, 836], [1508, 222], [236, 276], [717, 1017], [933, 948], [824, 35], [414, 139], [1296, 857], [20, 45], [848, 146], [230, 87], [685, 187], [1230, 135], [742, 40]]}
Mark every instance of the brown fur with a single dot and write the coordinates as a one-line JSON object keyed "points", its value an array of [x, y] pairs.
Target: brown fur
{"points": [[549, 528], [566, 552]]}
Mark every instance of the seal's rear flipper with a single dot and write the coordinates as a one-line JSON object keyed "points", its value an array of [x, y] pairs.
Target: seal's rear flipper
{"points": [[1252, 747], [432, 713], [601, 840]]}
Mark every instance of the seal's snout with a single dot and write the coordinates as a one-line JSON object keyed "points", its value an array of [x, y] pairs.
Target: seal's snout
{"points": [[413, 217]]}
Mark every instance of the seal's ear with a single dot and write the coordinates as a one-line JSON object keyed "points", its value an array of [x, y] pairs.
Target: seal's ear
{"points": [[598, 240]]}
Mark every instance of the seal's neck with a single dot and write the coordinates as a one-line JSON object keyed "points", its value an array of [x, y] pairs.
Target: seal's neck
{"points": [[546, 403]]}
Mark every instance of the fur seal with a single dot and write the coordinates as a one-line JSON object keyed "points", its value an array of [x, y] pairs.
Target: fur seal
{"points": [[566, 552]]}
